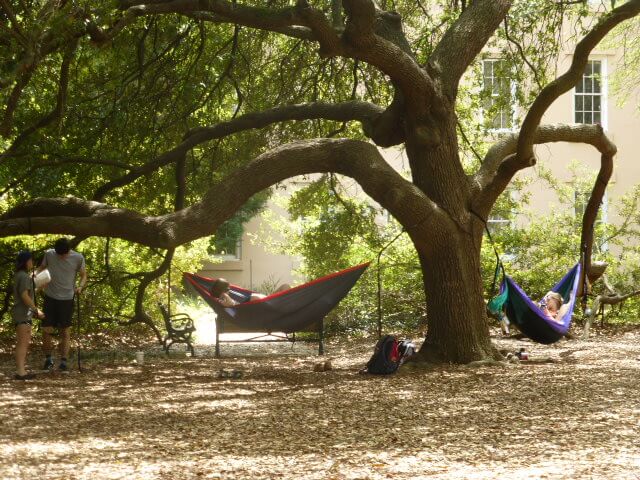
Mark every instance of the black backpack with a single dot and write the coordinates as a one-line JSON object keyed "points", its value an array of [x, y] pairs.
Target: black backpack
{"points": [[386, 358]]}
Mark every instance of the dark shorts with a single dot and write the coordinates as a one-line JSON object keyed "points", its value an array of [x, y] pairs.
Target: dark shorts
{"points": [[57, 313]]}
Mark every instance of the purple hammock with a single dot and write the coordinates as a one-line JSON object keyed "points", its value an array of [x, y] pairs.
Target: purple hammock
{"points": [[528, 316], [299, 309]]}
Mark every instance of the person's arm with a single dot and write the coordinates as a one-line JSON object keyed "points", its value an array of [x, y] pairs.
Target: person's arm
{"points": [[43, 264], [83, 280], [28, 301], [226, 300]]}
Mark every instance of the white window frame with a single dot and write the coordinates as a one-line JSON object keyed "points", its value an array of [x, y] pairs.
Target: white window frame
{"points": [[231, 257], [498, 224], [604, 95], [512, 93]]}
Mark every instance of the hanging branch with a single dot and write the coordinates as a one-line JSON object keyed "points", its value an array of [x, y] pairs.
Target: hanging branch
{"points": [[610, 298]]}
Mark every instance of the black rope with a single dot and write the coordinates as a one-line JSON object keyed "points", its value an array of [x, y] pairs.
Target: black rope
{"points": [[499, 264], [379, 280]]}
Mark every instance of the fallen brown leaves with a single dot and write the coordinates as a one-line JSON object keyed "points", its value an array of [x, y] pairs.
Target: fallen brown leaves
{"points": [[175, 419]]}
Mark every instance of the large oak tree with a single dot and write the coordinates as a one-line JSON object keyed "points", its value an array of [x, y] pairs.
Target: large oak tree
{"points": [[183, 65]]}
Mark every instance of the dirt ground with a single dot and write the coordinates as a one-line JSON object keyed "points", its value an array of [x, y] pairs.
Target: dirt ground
{"points": [[173, 418]]}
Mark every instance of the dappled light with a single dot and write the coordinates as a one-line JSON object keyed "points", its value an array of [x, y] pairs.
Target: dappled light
{"points": [[175, 418]]}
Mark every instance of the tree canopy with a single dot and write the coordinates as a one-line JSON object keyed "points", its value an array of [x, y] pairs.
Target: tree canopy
{"points": [[154, 122]]}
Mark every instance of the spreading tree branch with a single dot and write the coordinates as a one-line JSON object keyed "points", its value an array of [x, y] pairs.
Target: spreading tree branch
{"points": [[464, 40], [369, 35], [356, 159], [524, 155], [342, 112], [500, 159]]}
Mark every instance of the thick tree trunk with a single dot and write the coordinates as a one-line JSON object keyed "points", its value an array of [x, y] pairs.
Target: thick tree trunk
{"points": [[457, 328], [449, 251]]}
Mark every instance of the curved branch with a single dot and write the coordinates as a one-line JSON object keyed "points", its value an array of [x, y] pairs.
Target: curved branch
{"points": [[367, 35], [341, 112], [590, 134], [501, 163], [464, 40], [565, 82], [356, 159], [287, 20]]}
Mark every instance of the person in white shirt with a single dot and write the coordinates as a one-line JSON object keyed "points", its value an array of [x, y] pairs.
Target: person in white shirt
{"points": [[64, 265]]}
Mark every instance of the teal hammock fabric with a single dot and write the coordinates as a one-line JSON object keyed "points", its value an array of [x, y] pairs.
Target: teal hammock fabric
{"points": [[528, 317]]}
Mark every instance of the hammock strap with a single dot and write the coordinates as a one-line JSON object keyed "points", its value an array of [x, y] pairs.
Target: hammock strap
{"points": [[499, 264]]}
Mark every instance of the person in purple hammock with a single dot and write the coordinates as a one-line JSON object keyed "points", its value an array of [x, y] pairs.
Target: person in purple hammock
{"points": [[553, 307], [220, 290]]}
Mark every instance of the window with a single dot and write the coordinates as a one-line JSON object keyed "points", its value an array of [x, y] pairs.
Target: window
{"points": [[228, 247], [498, 101], [498, 224], [589, 95]]}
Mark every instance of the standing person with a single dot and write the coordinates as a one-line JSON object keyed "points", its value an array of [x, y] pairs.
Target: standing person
{"points": [[24, 308], [64, 265]]}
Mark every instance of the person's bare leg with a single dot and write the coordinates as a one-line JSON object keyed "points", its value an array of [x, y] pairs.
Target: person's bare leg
{"points": [[63, 346], [47, 341], [23, 339]]}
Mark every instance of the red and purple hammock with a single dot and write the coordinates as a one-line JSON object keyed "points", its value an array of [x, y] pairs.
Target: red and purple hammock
{"points": [[299, 309]]}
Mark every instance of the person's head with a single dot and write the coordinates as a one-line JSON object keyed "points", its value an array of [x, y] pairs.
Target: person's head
{"points": [[24, 260], [62, 246], [219, 287], [554, 301]]}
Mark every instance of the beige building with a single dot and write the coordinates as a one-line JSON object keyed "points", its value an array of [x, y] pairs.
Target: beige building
{"points": [[589, 102]]}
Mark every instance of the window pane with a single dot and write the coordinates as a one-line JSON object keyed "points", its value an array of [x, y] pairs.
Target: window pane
{"points": [[487, 68], [596, 84], [579, 117], [588, 85], [596, 117], [596, 103], [588, 118], [588, 103], [579, 103], [596, 66]]}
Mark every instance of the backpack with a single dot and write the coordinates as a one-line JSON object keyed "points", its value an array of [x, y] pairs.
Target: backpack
{"points": [[406, 348], [388, 355]]}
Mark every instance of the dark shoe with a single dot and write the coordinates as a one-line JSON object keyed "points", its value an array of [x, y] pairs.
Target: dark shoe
{"points": [[48, 364], [26, 376], [63, 367]]}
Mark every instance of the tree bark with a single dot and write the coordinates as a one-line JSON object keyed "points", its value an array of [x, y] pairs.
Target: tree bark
{"points": [[458, 329]]}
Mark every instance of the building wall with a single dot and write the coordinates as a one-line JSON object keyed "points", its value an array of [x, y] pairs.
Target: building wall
{"points": [[256, 266], [622, 126]]}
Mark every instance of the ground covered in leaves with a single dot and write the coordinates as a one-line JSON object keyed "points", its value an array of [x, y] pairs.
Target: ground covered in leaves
{"points": [[174, 418]]}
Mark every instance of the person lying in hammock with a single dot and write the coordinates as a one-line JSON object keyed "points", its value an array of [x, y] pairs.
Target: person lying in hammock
{"points": [[220, 290], [553, 307]]}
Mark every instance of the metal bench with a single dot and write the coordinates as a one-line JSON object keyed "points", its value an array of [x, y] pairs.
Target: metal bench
{"points": [[179, 327]]}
